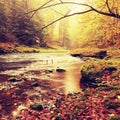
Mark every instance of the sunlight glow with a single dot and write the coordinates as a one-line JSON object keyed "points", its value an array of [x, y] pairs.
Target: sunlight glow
{"points": [[77, 8]]}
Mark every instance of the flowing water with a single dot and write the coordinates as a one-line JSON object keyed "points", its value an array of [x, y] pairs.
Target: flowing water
{"points": [[30, 64]]}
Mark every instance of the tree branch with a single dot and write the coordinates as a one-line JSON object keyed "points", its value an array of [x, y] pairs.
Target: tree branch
{"points": [[61, 1], [57, 11], [115, 15], [56, 4], [108, 6], [35, 10], [65, 16], [39, 8]]}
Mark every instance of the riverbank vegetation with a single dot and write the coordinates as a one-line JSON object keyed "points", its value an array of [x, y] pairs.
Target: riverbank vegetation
{"points": [[7, 47]]}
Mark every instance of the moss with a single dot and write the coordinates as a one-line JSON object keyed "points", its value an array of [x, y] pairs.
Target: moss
{"points": [[111, 105], [93, 70], [114, 118], [115, 74], [36, 107], [34, 84], [56, 117]]}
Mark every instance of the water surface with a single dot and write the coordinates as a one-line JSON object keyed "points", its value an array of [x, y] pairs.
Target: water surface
{"points": [[31, 65]]}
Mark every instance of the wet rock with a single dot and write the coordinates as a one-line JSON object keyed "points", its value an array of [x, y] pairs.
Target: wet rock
{"points": [[2, 51], [60, 70], [38, 107], [34, 79], [77, 55], [110, 69], [34, 84], [18, 92], [48, 71], [90, 79], [12, 79], [101, 54]]}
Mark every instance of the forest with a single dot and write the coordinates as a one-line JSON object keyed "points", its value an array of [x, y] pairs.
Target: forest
{"points": [[59, 59], [67, 24]]}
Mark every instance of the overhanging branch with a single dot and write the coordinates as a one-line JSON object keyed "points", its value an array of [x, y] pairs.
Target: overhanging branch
{"points": [[44, 6], [65, 16], [89, 6], [107, 14], [108, 6], [35, 10]]}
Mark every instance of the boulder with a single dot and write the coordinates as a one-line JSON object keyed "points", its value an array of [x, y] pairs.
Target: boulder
{"points": [[91, 78], [48, 71]]}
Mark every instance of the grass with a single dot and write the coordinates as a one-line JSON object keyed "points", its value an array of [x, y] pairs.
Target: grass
{"points": [[8, 47]]}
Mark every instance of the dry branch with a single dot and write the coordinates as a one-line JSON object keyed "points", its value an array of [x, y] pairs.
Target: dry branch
{"points": [[65, 16]]}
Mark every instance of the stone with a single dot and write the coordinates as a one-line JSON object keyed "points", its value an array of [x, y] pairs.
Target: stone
{"points": [[77, 55], [12, 79], [101, 54], [60, 70], [110, 69], [48, 71]]}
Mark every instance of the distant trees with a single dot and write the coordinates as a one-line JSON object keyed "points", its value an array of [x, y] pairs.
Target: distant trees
{"points": [[2, 24], [16, 25]]}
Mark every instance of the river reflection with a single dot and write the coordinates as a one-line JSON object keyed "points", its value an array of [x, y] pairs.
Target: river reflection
{"points": [[72, 81]]}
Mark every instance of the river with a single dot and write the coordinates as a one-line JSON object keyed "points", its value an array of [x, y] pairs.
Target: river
{"points": [[37, 66]]}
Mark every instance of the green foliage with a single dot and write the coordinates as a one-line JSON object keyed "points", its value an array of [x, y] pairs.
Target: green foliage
{"points": [[114, 118], [36, 107], [111, 105], [56, 117]]}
